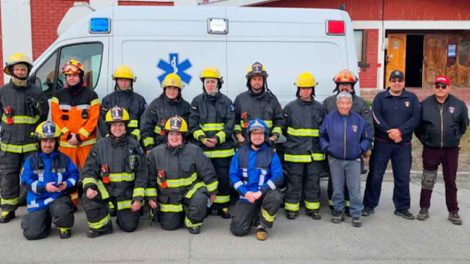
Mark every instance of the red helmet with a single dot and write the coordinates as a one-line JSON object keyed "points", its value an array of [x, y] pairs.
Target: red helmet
{"points": [[345, 76]]}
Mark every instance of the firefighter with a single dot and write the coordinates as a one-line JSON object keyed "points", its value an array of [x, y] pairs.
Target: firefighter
{"points": [[345, 81], [124, 96], [396, 114], [302, 150], [256, 173], [76, 110], [184, 177], [444, 120], [114, 178], [22, 107], [257, 102], [48, 174], [211, 122], [168, 104]]}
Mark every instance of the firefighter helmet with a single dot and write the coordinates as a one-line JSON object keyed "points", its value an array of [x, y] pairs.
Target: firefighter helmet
{"points": [[17, 58], [174, 80], [256, 69], [345, 76], [73, 66], [47, 129], [124, 72], [258, 124], [210, 72], [306, 80], [176, 124], [117, 114]]}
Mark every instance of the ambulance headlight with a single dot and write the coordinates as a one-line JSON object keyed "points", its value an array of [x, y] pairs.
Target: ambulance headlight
{"points": [[100, 25], [217, 26]]}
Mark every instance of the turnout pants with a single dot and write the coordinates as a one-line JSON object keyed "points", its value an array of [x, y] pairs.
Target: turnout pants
{"points": [[78, 155], [448, 157], [191, 210], [37, 224], [97, 213], [400, 154], [303, 180], [244, 213], [10, 167], [221, 166]]}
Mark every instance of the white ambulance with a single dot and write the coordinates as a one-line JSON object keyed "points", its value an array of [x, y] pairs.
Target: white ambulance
{"points": [[155, 41]]}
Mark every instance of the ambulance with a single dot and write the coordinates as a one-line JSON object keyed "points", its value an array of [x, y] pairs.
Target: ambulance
{"points": [[156, 41]]}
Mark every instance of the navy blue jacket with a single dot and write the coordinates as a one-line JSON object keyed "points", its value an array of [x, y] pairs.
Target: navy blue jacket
{"points": [[402, 112], [255, 170], [345, 137]]}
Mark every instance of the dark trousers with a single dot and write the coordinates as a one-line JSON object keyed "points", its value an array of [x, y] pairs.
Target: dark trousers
{"points": [[37, 224], [400, 154], [303, 180], [221, 166], [244, 213], [10, 167], [448, 157], [97, 213], [191, 211]]}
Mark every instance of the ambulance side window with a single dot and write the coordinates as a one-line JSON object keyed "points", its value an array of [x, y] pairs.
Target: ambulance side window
{"points": [[89, 54], [46, 75]]}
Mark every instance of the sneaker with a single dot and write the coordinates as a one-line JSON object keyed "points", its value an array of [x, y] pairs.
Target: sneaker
{"points": [[454, 218], [315, 214], [65, 233], [224, 213], [337, 218], [6, 216], [356, 222], [291, 214], [367, 211], [423, 214], [405, 214], [261, 234], [194, 230]]}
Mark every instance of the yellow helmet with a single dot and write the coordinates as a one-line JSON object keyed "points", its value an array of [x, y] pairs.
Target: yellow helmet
{"points": [[124, 72], [47, 129], [210, 72], [176, 124], [306, 80], [117, 114], [256, 69], [73, 66], [172, 79], [17, 58]]}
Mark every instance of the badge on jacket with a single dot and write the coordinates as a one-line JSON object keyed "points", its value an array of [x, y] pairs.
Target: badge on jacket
{"points": [[451, 109], [354, 128], [407, 103]]}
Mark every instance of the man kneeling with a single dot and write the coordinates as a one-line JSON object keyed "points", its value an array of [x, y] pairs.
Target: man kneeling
{"points": [[48, 174]]}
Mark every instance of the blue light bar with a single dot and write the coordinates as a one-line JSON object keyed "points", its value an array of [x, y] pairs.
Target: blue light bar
{"points": [[100, 25]]}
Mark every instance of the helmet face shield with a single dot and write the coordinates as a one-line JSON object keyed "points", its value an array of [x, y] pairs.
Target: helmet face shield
{"points": [[73, 67]]}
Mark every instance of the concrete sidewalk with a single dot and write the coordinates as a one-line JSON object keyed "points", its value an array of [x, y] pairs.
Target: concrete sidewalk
{"points": [[384, 238]]}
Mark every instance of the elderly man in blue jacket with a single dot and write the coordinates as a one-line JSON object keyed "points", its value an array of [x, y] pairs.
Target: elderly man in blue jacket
{"points": [[256, 173], [345, 136]]}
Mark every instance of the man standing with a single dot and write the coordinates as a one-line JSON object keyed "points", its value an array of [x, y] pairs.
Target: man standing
{"points": [[22, 107], [345, 136], [444, 120], [257, 102], [396, 114], [256, 174], [211, 122], [302, 151]]}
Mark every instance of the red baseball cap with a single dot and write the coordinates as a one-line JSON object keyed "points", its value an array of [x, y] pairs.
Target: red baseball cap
{"points": [[442, 79]]}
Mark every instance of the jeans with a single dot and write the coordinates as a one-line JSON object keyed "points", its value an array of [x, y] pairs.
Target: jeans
{"points": [[346, 172]]}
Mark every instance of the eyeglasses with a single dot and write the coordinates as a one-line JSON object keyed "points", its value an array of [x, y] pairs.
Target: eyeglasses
{"points": [[441, 86], [396, 81]]}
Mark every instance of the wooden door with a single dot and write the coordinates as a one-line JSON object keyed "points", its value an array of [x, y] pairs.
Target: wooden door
{"points": [[396, 54], [435, 57]]}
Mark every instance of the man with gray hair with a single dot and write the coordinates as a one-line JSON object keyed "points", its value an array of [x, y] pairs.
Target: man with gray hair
{"points": [[345, 136]]}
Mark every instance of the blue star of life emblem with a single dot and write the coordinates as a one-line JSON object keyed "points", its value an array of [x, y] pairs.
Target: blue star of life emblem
{"points": [[174, 66]]}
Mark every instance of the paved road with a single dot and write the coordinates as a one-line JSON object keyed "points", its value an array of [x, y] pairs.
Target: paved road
{"points": [[384, 238]]}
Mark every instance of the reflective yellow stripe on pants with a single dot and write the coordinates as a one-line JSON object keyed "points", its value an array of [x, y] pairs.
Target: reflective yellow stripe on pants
{"points": [[269, 218], [100, 224], [312, 205], [188, 223], [294, 207], [171, 208]]}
